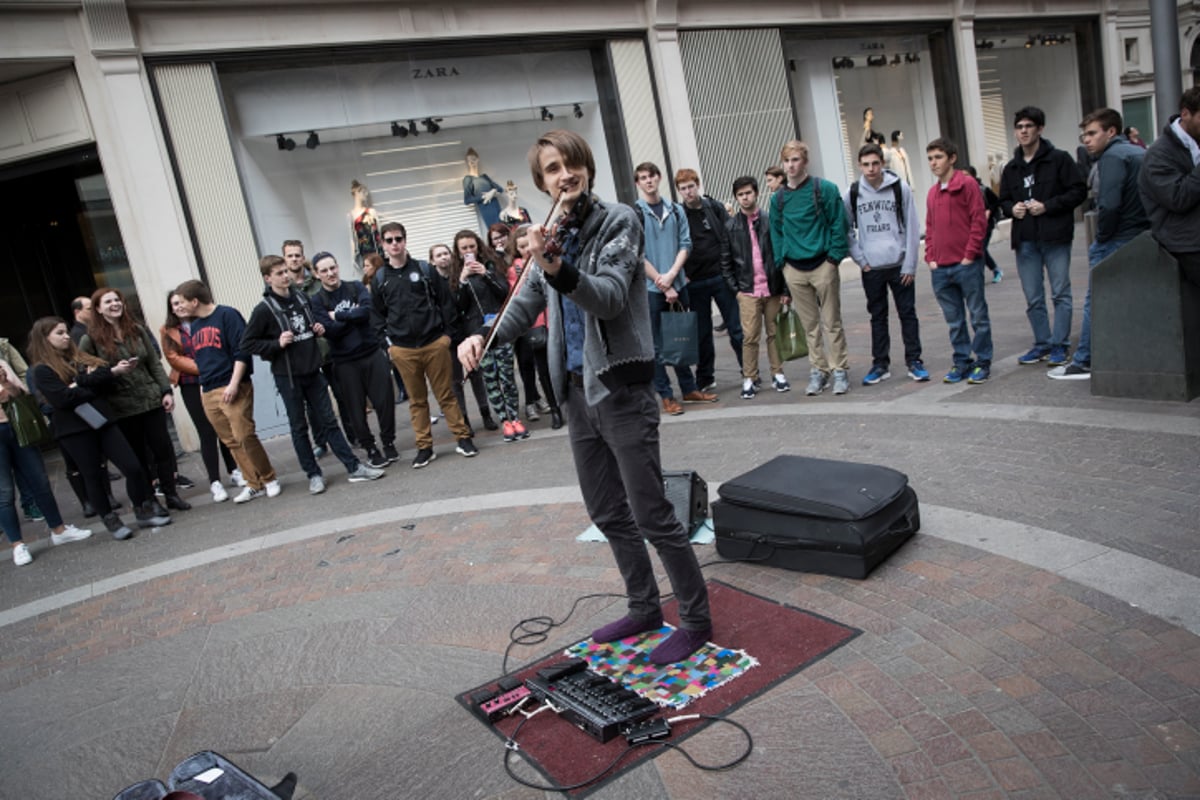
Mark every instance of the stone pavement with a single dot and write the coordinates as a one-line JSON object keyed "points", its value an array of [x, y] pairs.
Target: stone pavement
{"points": [[1038, 639]]}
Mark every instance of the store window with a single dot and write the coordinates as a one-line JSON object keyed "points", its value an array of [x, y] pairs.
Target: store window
{"points": [[848, 91], [329, 152]]}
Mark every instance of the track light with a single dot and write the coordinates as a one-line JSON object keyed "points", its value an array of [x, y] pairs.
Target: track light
{"points": [[577, 111], [912, 58], [397, 130], [285, 143], [876, 61], [431, 124], [1030, 42], [412, 128], [546, 115], [843, 63], [313, 141], [895, 62]]}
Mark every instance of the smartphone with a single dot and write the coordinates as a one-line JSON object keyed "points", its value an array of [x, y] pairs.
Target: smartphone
{"points": [[469, 257]]}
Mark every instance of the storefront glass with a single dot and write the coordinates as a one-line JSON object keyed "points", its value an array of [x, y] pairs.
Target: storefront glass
{"points": [[304, 135]]}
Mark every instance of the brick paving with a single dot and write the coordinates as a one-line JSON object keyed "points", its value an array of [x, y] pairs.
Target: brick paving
{"points": [[337, 656]]}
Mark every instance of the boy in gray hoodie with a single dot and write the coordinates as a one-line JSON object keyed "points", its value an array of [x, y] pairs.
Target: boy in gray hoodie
{"points": [[885, 237]]}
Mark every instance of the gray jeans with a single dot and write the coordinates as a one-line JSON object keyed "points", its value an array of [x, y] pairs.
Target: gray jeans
{"points": [[615, 444]]}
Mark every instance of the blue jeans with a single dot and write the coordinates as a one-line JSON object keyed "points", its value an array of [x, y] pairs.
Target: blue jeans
{"points": [[662, 384], [701, 295], [1056, 258], [26, 462], [311, 391], [959, 290], [1097, 252]]}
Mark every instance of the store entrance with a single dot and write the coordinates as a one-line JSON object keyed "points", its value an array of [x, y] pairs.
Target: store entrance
{"points": [[58, 239]]}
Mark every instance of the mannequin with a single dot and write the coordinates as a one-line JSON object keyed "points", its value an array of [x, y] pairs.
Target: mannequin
{"points": [[898, 158], [869, 133], [480, 190], [364, 226], [513, 214]]}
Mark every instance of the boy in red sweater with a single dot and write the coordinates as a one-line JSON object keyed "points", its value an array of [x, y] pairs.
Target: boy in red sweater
{"points": [[955, 223]]}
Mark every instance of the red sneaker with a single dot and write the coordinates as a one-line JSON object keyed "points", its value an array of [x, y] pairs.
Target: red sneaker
{"points": [[509, 433], [519, 430]]}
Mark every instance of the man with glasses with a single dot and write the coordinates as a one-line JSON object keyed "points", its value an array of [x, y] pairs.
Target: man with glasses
{"points": [[1039, 189], [414, 314]]}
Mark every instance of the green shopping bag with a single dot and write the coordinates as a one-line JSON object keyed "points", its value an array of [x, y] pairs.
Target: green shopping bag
{"points": [[789, 335]]}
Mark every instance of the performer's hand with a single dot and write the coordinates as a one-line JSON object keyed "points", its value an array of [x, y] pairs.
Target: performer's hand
{"points": [[536, 236], [470, 352]]}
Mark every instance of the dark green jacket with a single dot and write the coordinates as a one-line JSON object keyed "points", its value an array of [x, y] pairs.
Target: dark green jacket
{"points": [[801, 231], [142, 389]]}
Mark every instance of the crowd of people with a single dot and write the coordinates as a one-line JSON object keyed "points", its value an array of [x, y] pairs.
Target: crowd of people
{"points": [[413, 327]]}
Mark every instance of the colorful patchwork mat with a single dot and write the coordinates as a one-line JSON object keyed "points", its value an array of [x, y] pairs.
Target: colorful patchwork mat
{"points": [[628, 662]]}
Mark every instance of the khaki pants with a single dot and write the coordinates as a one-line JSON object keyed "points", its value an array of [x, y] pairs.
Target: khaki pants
{"points": [[433, 361], [758, 313], [817, 296], [234, 424]]}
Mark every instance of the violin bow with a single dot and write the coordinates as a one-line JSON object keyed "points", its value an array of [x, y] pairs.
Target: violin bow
{"points": [[487, 344]]}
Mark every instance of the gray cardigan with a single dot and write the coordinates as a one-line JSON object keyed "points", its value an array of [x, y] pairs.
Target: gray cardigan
{"points": [[1170, 190], [608, 284]]}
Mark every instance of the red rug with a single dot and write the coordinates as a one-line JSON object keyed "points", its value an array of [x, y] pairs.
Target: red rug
{"points": [[783, 639]]}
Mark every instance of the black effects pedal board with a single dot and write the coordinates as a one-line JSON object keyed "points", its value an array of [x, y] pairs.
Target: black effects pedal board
{"points": [[594, 703]]}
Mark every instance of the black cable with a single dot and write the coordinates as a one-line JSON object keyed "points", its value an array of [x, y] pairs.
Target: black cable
{"points": [[535, 630], [511, 746]]}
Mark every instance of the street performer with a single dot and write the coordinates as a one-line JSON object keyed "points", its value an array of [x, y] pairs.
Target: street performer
{"points": [[602, 361]]}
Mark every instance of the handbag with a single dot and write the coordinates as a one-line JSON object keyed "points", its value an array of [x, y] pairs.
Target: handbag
{"points": [[790, 340], [536, 337], [680, 337], [28, 423], [91, 415]]}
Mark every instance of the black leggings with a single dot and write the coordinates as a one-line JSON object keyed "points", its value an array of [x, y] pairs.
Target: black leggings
{"points": [[210, 445], [89, 448], [147, 434], [531, 360]]}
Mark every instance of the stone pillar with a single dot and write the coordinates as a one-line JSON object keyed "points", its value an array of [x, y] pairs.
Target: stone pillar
{"points": [[975, 147]]}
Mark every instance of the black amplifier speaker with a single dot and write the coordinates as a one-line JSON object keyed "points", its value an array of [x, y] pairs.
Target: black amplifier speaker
{"points": [[688, 495]]}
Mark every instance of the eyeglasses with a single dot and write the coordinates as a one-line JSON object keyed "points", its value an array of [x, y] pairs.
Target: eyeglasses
{"points": [[392, 239]]}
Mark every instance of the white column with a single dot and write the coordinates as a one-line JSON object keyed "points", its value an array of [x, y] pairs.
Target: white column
{"points": [[975, 146], [1112, 51], [673, 99]]}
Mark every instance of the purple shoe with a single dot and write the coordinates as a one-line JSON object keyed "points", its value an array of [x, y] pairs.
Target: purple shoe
{"points": [[679, 645], [624, 628]]}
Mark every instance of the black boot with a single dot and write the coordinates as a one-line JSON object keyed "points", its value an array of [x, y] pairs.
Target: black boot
{"points": [[556, 420], [178, 503], [488, 422], [148, 515], [116, 527]]}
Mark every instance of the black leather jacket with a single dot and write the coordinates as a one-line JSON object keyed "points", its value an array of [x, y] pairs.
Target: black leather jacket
{"points": [[739, 273]]}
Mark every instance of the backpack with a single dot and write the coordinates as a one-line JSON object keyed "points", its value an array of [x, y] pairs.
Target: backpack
{"points": [[777, 199], [896, 190]]}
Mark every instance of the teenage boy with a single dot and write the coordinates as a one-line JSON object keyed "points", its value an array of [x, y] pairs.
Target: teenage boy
{"points": [[884, 241], [283, 330], [1040, 188], [668, 243], [359, 365], [414, 315], [1119, 215], [761, 291], [601, 354], [808, 235], [705, 269], [226, 389], [1169, 185], [955, 221]]}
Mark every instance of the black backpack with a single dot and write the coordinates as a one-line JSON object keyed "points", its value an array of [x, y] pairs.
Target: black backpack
{"points": [[896, 190]]}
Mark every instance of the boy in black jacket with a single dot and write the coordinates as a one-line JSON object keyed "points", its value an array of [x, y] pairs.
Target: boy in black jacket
{"points": [[359, 365], [283, 330]]}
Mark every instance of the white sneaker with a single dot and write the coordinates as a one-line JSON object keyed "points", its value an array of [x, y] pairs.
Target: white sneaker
{"points": [[316, 484], [21, 555], [70, 534], [273, 488], [236, 478], [247, 494], [218, 492], [365, 473]]}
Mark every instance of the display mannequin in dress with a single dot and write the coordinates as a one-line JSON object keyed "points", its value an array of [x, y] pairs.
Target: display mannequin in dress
{"points": [[513, 214], [480, 190], [898, 157], [364, 226]]}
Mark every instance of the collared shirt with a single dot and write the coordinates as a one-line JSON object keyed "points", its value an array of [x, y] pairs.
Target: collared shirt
{"points": [[760, 273]]}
